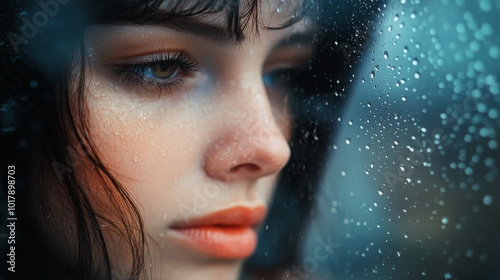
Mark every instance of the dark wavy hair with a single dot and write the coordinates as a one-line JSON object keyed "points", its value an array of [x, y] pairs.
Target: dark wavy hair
{"points": [[43, 120]]}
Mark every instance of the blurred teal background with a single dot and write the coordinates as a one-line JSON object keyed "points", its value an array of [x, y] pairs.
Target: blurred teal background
{"points": [[412, 187]]}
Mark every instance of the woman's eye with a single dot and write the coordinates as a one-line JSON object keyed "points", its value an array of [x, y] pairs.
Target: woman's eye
{"points": [[162, 71]]}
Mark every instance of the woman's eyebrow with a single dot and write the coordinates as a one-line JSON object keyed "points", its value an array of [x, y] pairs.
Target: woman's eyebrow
{"points": [[307, 38], [189, 25]]}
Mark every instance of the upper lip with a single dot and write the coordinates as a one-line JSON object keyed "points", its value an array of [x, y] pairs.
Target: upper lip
{"points": [[237, 216]]}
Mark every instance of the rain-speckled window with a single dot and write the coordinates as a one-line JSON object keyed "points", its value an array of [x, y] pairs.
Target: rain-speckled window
{"points": [[412, 187]]}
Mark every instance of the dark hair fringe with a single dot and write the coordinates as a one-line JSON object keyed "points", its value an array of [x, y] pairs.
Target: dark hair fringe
{"points": [[239, 13]]}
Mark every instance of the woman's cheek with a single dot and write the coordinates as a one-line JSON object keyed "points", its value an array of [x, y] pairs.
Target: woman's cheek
{"points": [[150, 144]]}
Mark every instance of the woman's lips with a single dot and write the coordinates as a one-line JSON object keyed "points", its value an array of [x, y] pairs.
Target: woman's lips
{"points": [[228, 234]]}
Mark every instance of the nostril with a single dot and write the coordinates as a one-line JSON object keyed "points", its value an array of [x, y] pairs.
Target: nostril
{"points": [[249, 167]]}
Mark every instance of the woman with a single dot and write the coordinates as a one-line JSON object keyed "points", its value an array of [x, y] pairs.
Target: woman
{"points": [[171, 123]]}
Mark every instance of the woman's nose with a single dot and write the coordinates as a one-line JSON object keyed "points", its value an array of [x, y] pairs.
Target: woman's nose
{"points": [[250, 143]]}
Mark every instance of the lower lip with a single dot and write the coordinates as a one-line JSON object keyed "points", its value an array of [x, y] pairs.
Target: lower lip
{"points": [[220, 241]]}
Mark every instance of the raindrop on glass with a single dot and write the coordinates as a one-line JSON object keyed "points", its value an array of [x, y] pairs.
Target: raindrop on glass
{"points": [[487, 200]]}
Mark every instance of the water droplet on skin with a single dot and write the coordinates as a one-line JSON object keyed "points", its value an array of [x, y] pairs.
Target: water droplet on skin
{"points": [[135, 158]]}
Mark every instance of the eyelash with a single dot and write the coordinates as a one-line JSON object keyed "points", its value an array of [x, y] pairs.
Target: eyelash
{"points": [[134, 74]]}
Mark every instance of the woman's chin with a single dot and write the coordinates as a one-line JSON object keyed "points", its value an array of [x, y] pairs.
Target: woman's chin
{"points": [[194, 269]]}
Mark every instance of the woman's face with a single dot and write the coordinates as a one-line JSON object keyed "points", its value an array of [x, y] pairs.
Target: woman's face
{"points": [[195, 128]]}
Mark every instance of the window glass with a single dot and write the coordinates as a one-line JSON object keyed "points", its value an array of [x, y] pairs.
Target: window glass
{"points": [[411, 190]]}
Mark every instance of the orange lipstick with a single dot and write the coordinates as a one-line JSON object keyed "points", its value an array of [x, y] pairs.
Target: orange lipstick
{"points": [[227, 234]]}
